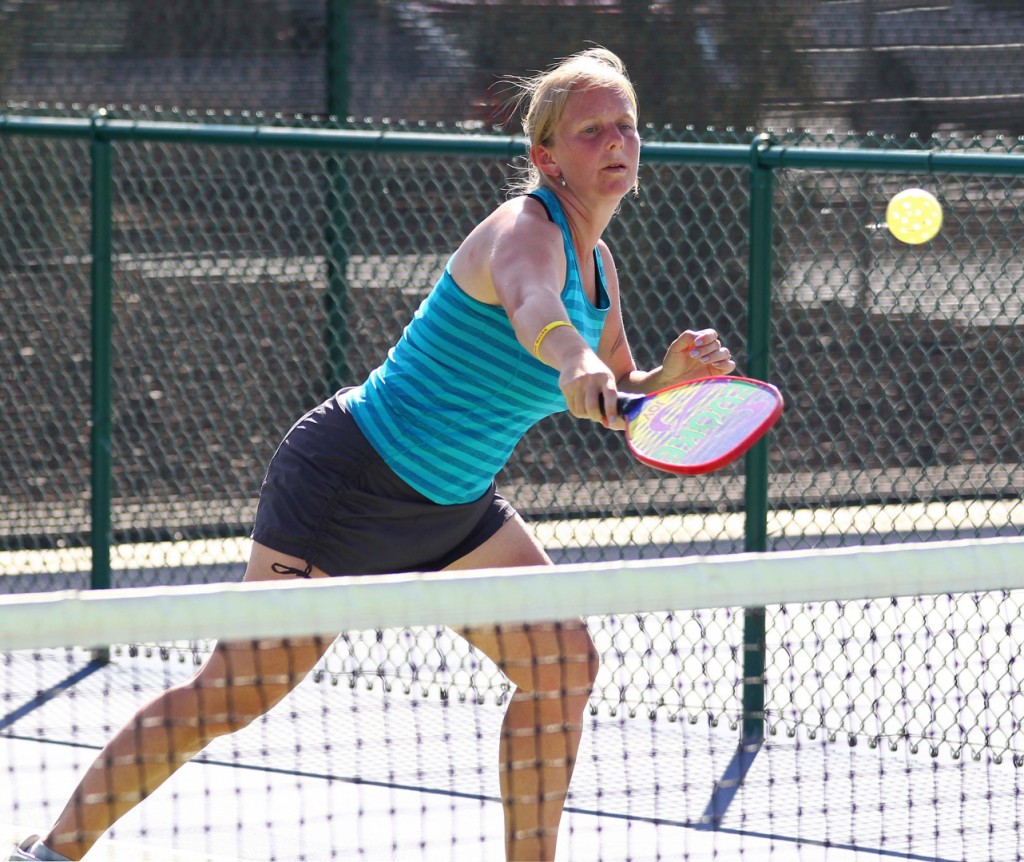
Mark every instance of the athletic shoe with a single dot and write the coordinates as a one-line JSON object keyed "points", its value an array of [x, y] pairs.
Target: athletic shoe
{"points": [[33, 849]]}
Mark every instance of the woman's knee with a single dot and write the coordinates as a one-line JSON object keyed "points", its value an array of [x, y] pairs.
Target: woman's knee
{"points": [[553, 658]]}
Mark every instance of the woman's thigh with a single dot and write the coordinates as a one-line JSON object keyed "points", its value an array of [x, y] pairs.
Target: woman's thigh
{"points": [[512, 545], [558, 655], [260, 671]]}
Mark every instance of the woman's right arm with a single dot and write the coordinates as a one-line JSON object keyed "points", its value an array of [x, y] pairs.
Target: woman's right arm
{"points": [[516, 259]]}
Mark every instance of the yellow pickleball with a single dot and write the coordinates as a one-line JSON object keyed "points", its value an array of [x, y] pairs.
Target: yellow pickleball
{"points": [[914, 216]]}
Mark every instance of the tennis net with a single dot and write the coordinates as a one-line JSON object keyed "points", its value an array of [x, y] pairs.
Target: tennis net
{"points": [[893, 720]]}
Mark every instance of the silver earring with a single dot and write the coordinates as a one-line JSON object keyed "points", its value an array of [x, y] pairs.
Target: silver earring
{"points": [[561, 179]]}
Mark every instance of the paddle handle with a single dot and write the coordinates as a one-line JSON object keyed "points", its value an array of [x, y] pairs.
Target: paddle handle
{"points": [[627, 403]]}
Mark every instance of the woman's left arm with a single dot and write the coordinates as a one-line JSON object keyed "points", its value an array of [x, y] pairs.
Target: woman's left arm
{"points": [[693, 354]]}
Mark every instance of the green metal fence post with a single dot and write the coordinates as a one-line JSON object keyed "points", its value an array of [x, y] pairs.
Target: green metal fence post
{"points": [[756, 487], [102, 316], [336, 298]]}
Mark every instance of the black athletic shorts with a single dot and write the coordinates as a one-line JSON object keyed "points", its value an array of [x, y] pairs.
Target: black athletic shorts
{"points": [[330, 500]]}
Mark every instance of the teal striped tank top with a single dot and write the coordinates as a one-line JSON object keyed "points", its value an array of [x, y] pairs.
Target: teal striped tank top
{"points": [[458, 391]]}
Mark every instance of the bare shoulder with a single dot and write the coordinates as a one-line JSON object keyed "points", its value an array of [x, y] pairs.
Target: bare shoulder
{"points": [[517, 235], [610, 270], [607, 258], [519, 219]]}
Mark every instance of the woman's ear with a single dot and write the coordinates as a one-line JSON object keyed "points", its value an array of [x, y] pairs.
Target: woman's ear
{"points": [[544, 162]]}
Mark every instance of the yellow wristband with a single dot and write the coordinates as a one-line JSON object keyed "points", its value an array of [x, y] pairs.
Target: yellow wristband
{"points": [[544, 332]]}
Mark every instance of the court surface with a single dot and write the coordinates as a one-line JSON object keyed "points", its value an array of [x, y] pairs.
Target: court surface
{"points": [[357, 773], [343, 772]]}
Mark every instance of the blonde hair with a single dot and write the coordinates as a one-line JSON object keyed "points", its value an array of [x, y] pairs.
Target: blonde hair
{"points": [[545, 96]]}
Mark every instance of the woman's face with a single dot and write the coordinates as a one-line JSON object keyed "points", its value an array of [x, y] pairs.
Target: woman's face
{"points": [[596, 144]]}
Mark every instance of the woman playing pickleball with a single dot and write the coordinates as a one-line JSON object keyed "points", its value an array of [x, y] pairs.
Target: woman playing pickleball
{"points": [[397, 474]]}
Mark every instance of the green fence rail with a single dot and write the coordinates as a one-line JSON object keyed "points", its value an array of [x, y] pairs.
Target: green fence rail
{"points": [[236, 274]]}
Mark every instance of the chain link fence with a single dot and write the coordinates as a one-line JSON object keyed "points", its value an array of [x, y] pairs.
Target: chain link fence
{"points": [[249, 282]]}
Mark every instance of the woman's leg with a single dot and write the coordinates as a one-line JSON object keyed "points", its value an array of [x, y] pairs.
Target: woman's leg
{"points": [[238, 683], [553, 666]]}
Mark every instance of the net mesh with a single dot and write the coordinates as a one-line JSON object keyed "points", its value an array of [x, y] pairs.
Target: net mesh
{"points": [[891, 727]]}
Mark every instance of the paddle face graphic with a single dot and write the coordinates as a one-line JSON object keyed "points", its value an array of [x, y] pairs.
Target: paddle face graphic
{"points": [[699, 426]]}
